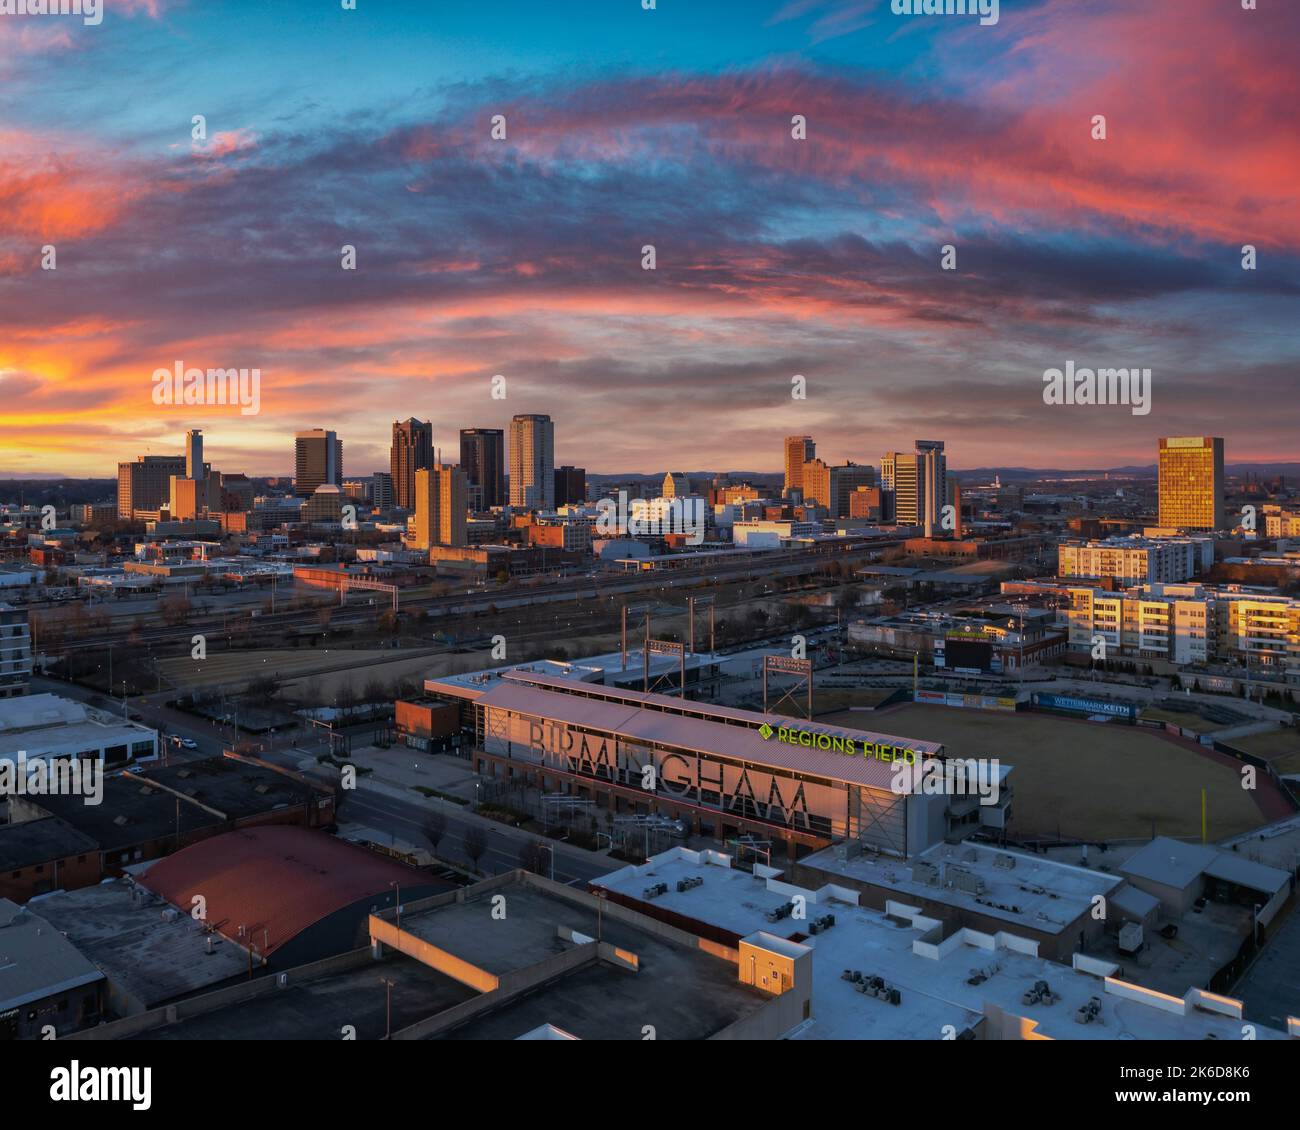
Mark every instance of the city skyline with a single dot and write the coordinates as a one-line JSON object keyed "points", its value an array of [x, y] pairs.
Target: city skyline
{"points": [[775, 257]]}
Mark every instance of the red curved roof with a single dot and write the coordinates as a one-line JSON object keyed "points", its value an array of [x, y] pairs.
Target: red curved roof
{"points": [[279, 879]]}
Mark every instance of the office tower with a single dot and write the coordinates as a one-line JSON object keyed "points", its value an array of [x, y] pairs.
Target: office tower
{"points": [[864, 502], [381, 490], [194, 454], [900, 480], [318, 459], [844, 480], [532, 463], [441, 499], [935, 483], [815, 482], [570, 486], [1191, 482], [798, 451], [483, 459], [146, 484], [188, 498], [411, 451], [676, 485], [914, 486]]}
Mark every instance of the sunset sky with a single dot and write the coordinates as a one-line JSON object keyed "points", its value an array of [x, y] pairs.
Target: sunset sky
{"points": [[669, 127]]}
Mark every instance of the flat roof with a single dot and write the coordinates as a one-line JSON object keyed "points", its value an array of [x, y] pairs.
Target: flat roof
{"points": [[320, 1009], [230, 785], [1170, 863], [684, 993], [132, 812], [41, 841], [36, 961], [151, 956], [722, 731], [1031, 891], [943, 980]]}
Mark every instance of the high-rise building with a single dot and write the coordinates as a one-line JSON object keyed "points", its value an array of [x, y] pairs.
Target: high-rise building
{"points": [[570, 486], [412, 451], [483, 459], [1191, 483], [798, 451], [935, 493], [381, 490], [532, 463], [676, 485], [318, 459], [441, 500], [194, 454], [914, 486], [844, 480], [815, 482], [146, 484]]}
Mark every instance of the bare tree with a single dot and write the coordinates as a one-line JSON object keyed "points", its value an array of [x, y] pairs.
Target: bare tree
{"points": [[474, 843], [435, 827]]}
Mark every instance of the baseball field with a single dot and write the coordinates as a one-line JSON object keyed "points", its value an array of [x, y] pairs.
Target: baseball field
{"points": [[1098, 781]]}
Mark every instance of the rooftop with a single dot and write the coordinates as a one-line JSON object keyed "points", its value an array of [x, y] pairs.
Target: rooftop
{"points": [[42, 841], [275, 881], [699, 727], [148, 954], [35, 960], [1027, 890], [1173, 863], [943, 980]]}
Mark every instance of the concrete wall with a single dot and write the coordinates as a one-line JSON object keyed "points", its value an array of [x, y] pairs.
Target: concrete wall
{"points": [[223, 998]]}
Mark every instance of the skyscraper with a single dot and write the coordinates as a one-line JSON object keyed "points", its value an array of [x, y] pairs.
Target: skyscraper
{"points": [[194, 454], [483, 459], [914, 486], [935, 483], [441, 499], [412, 451], [532, 463], [676, 485], [570, 485], [1191, 482], [318, 459], [381, 490], [798, 451], [146, 484]]}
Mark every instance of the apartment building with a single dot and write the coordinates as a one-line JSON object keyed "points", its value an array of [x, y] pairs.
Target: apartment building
{"points": [[15, 651], [1136, 561], [1190, 624]]}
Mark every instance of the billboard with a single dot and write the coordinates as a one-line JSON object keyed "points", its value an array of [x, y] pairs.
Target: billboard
{"points": [[1076, 704]]}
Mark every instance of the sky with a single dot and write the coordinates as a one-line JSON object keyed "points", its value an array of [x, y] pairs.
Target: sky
{"points": [[775, 257]]}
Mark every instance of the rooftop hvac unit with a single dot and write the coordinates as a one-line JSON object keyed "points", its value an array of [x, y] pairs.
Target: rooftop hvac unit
{"points": [[282, 980], [171, 914], [1089, 1012]]}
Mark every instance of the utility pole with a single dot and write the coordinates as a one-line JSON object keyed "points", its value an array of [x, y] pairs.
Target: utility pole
{"points": [[388, 1007]]}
